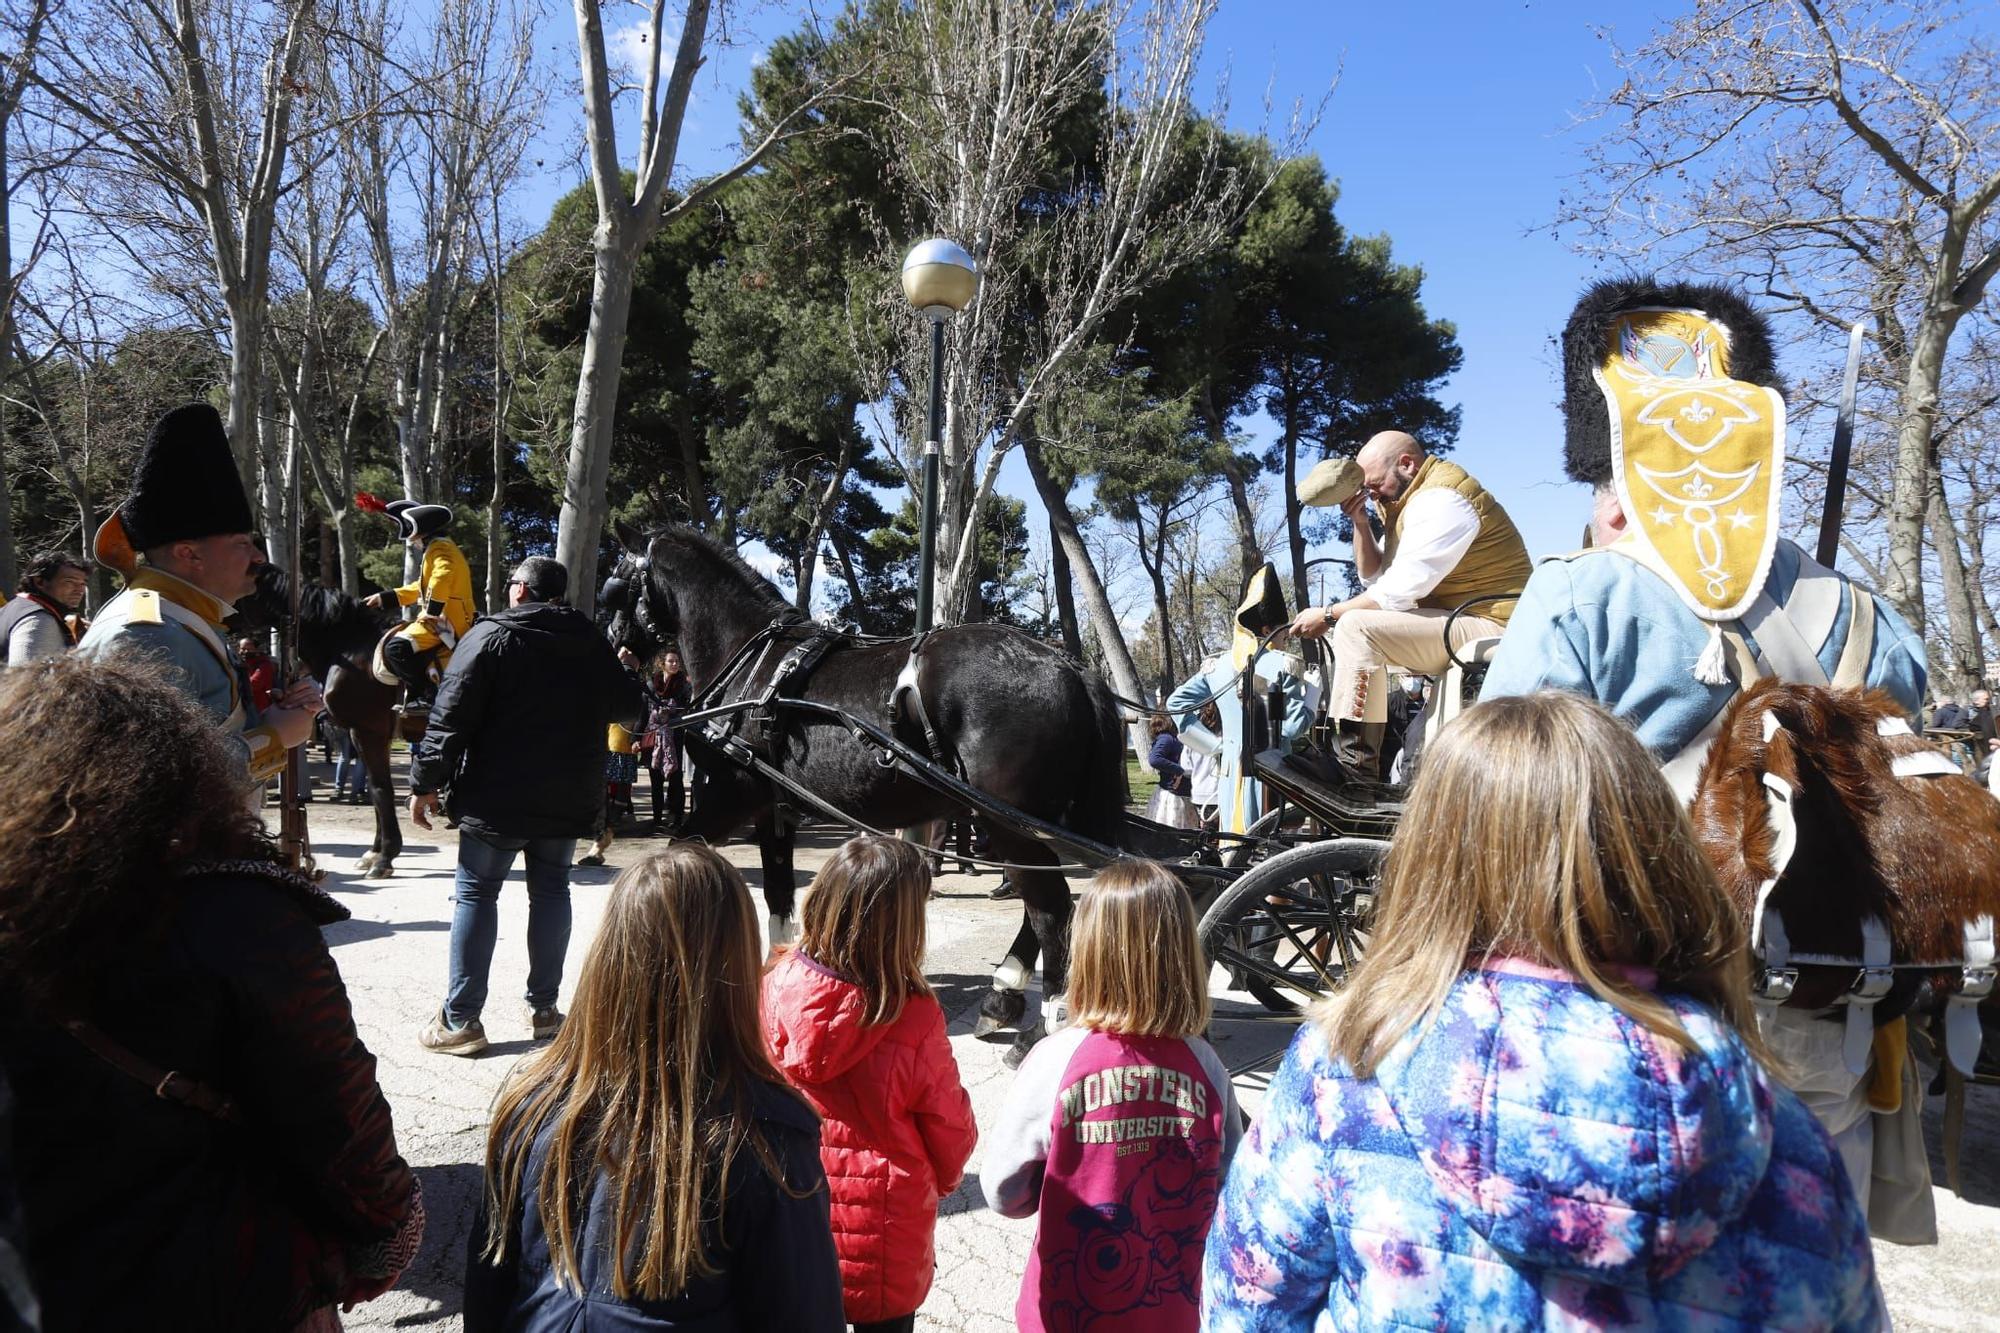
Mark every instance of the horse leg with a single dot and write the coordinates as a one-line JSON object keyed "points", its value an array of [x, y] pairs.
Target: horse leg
{"points": [[1045, 913], [379, 862], [774, 849]]}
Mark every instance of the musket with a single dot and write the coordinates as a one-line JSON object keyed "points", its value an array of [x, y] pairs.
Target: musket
{"points": [[293, 842], [1843, 447]]}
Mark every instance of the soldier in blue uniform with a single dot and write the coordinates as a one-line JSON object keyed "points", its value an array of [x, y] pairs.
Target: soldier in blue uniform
{"points": [[1688, 594], [183, 543]]}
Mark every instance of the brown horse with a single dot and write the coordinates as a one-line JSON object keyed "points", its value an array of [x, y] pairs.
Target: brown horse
{"points": [[337, 635], [1918, 852]]}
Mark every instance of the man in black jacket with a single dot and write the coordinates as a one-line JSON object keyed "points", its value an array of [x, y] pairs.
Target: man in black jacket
{"points": [[517, 736]]}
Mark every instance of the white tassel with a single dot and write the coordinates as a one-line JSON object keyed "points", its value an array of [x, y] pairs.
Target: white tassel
{"points": [[1712, 667]]}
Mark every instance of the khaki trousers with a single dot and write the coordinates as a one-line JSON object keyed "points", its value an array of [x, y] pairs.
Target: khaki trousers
{"points": [[1367, 643], [1884, 1154]]}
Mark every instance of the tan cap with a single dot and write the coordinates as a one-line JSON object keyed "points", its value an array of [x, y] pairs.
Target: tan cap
{"points": [[1332, 481]]}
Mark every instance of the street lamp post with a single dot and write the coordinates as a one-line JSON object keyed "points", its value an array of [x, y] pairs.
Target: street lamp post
{"points": [[939, 278]]}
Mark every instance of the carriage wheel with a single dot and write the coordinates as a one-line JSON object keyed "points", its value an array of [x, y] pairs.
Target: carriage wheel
{"points": [[1280, 826], [1293, 927]]}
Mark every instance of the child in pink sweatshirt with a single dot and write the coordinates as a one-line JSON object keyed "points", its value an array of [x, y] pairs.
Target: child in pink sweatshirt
{"points": [[1119, 1127]]}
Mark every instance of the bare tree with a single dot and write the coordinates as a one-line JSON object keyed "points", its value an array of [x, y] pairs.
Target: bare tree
{"points": [[628, 217], [422, 176], [22, 23], [1841, 155], [998, 84], [189, 108]]}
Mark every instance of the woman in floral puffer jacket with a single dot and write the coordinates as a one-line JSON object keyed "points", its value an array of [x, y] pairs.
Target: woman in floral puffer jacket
{"points": [[1540, 1100], [851, 1021]]}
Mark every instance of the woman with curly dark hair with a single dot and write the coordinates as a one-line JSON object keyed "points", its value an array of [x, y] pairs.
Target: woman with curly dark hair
{"points": [[199, 1137]]}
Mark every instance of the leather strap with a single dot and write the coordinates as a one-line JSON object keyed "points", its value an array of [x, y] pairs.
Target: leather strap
{"points": [[167, 1084]]}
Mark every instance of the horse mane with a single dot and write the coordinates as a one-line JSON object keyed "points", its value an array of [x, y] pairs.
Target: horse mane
{"points": [[726, 556], [341, 617]]}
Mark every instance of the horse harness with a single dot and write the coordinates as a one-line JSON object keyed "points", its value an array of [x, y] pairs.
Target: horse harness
{"points": [[757, 725]]}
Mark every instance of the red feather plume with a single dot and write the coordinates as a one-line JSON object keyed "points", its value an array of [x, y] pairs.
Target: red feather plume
{"points": [[364, 501]]}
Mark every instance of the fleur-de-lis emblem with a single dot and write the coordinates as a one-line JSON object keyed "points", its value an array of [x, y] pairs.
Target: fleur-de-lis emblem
{"points": [[1697, 489], [1697, 411]]}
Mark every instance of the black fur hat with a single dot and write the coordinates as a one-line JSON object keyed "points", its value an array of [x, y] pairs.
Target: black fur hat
{"points": [[1586, 422], [185, 485]]}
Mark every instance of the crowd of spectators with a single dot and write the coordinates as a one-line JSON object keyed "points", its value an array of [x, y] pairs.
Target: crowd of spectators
{"points": [[709, 1140]]}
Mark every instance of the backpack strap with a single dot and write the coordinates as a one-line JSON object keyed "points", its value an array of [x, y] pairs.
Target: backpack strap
{"points": [[167, 1084]]}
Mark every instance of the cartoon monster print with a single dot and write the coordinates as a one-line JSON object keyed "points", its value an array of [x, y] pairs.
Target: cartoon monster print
{"points": [[1145, 1251]]}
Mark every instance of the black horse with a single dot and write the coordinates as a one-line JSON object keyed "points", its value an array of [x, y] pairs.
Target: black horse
{"points": [[337, 635], [1020, 720]]}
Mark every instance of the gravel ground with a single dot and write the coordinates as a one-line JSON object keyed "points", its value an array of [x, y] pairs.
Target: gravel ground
{"points": [[392, 955]]}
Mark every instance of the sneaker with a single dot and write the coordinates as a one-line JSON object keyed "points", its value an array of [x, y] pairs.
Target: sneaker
{"points": [[439, 1035], [547, 1022]]}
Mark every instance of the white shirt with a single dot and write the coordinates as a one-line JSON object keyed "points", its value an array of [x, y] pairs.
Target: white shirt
{"points": [[1439, 527]]}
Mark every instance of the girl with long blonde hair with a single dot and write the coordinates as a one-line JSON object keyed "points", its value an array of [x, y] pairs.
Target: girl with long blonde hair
{"points": [[852, 1021], [651, 1157], [1118, 1128], [1540, 1098]]}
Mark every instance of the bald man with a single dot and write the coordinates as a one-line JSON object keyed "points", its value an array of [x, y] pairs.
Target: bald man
{"points": [[1445, 541]]}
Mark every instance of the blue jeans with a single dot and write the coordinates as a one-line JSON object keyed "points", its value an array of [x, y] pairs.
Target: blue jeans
{"points": [[349, 762], [483, 863]]}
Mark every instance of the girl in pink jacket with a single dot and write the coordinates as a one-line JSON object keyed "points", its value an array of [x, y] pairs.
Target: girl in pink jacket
{"points": [[852, 1022], [1119, 1127]]}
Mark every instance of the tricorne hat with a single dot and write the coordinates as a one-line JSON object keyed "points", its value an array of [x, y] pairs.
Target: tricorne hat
{"points": [[184, 487], [1671, 395], [1332, 481]]}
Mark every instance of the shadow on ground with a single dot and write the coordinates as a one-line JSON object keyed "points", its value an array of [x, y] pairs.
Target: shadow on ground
{"points": [[437, 1274]]}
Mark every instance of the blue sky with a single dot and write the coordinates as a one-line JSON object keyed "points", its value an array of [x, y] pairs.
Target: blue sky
{"points": [[1447, 130]]}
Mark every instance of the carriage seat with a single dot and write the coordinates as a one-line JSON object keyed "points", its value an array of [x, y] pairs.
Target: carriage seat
{"points": [[1458, 688], [1321, 785]]}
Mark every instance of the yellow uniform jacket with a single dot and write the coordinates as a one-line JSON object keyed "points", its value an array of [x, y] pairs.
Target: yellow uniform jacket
{"points": [[446, 577]]}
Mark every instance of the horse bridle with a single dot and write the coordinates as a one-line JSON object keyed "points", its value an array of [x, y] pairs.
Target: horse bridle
{"points": [[619, 595]]}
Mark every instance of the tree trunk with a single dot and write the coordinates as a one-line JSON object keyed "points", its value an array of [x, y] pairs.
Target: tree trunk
{"points": [[808, 563], [1295, 538], [1103, 619], [1910, 498], [1059, 574], [329, 554], [1968, 658], [246, 346], [1249, 557], [584, 508], [863, 621], [10, 565]]}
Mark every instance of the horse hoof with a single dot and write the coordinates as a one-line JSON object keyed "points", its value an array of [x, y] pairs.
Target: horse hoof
{"points": [[365, 864], [1000, 1009], [1024, 1043]]}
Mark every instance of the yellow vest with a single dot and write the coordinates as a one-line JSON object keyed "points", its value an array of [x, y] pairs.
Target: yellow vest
{"points": [[1496, 562]]}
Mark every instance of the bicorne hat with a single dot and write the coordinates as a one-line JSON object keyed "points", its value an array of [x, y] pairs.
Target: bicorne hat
{"points": [[414, 519], [185, 485], [1671, 395], [1263, 606]]}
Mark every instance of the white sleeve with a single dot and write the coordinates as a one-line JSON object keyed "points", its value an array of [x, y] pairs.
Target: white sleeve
{"points": [[36, 638], [1438, 529], [1017, 1146], [1232, 1113]]}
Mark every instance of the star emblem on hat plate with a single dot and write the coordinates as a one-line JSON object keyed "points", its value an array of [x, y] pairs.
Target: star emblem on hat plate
{"points": [[1740, 519], [1663, 516]]}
